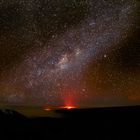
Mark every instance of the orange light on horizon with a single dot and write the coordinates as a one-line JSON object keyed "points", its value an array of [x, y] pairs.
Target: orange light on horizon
{"points": [[68, 107], [47, 109]]}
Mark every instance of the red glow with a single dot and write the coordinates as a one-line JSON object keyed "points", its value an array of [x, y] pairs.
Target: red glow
{"points": [[68, 107]]}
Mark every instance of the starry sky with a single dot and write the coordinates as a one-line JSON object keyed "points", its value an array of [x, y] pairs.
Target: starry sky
{"points": [[79, 52]]}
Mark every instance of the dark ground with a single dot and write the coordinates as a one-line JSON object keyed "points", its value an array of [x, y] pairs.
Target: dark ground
{"points": [[100, 123]]}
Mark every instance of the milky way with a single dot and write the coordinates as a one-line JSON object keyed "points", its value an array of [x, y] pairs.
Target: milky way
{"points": [[54, 72]]}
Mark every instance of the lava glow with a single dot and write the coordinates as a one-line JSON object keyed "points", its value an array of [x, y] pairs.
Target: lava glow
{"points": [[68, 107]]}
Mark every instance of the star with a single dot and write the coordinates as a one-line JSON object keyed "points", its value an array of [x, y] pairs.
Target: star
{"points": [[65, 41]]}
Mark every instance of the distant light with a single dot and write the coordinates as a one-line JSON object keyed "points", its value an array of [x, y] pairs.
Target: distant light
{"points": [[68, 107], [105, 55], [47, 109]]}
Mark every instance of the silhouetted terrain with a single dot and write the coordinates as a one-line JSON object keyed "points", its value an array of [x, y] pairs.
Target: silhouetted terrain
{"points": [[106, 123]]}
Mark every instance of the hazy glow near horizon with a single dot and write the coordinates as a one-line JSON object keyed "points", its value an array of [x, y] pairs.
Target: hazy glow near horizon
{"points": [[79, 54]]}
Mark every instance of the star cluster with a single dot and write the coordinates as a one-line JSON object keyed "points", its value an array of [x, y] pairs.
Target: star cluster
{"points": [[54, 70]]}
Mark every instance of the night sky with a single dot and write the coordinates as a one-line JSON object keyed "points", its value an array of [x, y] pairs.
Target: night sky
{"points": [[84, 53]]}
